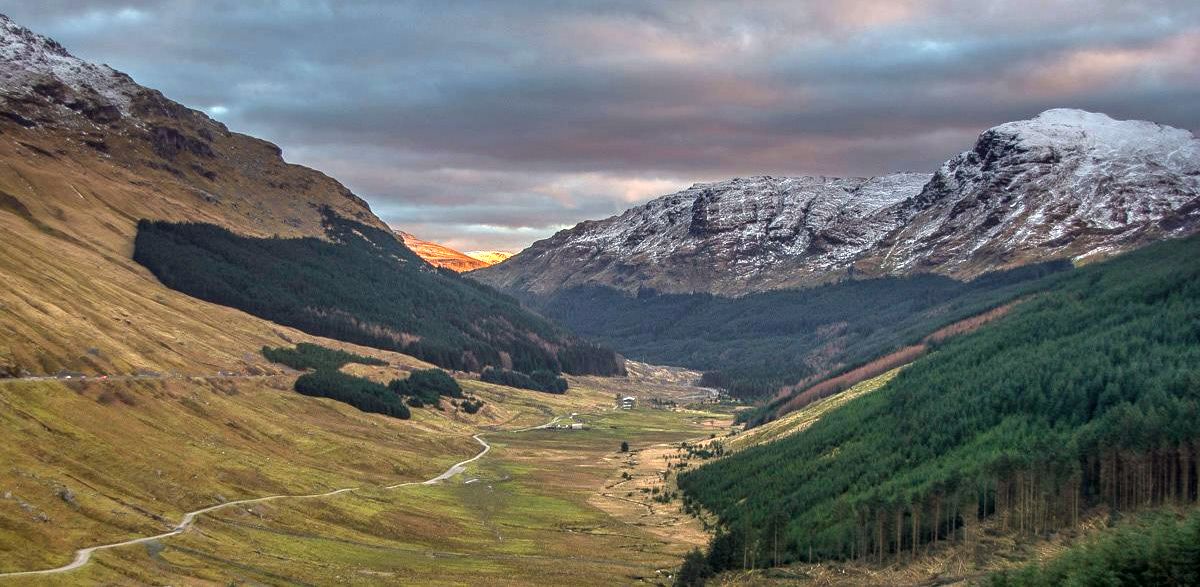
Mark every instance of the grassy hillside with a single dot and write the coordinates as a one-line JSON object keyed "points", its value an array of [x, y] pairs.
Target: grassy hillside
{"points": [[1086, 395], [756, 344], [71, 194], [178, 444], [172, 445]]}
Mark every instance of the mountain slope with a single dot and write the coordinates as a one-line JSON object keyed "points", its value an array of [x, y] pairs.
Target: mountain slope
{"points": [[362, 285], [440, 255], [1066, 184], [64, 112], [86, 153], [78, 167], [755, 344]]}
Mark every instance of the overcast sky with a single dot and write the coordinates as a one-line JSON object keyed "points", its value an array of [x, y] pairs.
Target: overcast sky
{"points": [[492, 124]]}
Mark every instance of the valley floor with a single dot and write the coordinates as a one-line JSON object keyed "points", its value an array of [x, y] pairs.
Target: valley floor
{"points": [[526, 512]]}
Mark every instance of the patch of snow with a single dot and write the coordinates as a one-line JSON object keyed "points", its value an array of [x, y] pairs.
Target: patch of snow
{"points": [[27, 57]]}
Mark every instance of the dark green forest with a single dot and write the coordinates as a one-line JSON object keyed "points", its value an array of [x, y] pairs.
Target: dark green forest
{"points": [[363, 286], [326, 379], [1156, 549], [1088, 394], [425, 386], [755, 344], [537, 381], [307, 355], [361, 393], [422, 387]]}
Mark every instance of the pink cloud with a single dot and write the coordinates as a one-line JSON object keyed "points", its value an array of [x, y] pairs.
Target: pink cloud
{"points": [[1094, 68]]}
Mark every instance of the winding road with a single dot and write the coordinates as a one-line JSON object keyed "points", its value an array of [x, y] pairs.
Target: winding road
{"points": [[83, 555]]}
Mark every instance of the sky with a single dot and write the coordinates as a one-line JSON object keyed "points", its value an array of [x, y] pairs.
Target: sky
{"points": [[490, 124]]}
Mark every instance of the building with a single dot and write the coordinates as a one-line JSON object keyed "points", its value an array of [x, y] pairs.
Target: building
{"points": [[628, 402]]}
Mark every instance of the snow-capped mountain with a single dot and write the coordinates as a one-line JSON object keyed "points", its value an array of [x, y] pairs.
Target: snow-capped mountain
{"points": [[730, 236], [1066, 184]]}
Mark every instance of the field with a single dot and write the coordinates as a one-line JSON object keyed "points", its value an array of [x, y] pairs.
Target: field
{"points": [[522, 514]]}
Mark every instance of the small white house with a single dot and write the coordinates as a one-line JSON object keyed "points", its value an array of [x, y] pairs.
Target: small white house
{"points": [[628, 402]]}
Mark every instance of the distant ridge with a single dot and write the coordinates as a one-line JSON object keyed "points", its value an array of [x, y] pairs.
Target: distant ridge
{"points": [[490, 257], [440, 255]]}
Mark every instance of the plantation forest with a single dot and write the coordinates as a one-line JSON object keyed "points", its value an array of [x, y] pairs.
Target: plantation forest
{"points": [[1086, 395]]}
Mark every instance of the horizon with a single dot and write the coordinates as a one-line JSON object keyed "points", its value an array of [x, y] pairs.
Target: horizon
{"points": [[489, 127]]}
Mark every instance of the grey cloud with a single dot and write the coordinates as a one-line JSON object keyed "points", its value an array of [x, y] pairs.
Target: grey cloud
{"points": [[490, 124]]}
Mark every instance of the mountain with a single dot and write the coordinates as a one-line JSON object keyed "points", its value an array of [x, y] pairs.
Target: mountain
{"points": [[440, 255], [490, 257], [740, 235], [86, 153], [1066, 184], [100, 174]]}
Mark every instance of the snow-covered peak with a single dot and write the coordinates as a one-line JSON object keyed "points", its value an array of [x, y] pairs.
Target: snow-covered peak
{"points": [[28, 59], [1067, 183], [1068, 126]]}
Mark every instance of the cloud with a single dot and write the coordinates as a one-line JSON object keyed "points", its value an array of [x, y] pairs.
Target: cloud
{"points": [[489, 125]]}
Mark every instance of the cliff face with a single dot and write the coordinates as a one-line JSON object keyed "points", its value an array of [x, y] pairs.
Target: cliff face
{"points": [[1066, 184]]}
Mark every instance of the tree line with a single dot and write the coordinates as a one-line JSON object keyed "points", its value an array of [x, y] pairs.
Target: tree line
{"points": [[306, 355], [425, 386]]}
